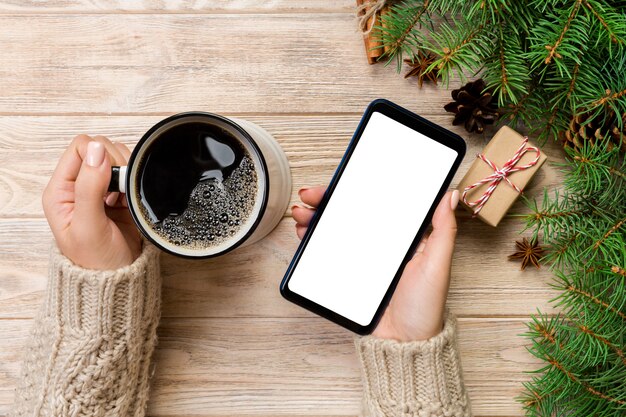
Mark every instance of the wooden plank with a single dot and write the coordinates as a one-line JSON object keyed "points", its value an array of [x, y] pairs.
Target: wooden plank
{"points": [[173, 6], [313, 144], [240, 283], [224, 63], [229, 344], [244, 283], [305, 366]]}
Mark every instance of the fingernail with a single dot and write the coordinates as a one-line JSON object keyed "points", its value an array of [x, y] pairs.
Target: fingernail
{"points": [[294, 207], [454, 199], [302, 190], [95, 154], [420, 247], [111, 199]]}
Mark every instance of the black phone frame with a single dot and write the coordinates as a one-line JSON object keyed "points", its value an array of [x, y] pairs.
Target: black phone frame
{"points": [[414, 122]]}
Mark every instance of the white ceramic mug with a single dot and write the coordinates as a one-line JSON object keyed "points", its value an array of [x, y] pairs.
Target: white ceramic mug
{"points": [[273, 182]]}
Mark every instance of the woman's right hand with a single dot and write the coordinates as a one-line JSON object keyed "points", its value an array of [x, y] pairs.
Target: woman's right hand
{"points": [[90, 233], [416, 310]]}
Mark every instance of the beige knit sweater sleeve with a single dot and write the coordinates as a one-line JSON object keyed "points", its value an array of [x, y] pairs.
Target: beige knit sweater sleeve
{"points": [[413, 379], [90, 350]]}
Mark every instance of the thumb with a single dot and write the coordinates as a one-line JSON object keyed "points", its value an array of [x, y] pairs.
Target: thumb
{"points": [[91, 186], [440, 245]]}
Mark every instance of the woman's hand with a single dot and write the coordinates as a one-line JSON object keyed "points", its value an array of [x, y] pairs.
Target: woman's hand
{"points": [[92, 228], [417, 306]]}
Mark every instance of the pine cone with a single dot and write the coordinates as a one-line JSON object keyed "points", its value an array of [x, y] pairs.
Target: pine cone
{"points": [[585, 128], [474, 106]]}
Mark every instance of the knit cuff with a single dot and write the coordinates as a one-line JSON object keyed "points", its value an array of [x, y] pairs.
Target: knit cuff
{"points": [[416, 378], [104, 302]]}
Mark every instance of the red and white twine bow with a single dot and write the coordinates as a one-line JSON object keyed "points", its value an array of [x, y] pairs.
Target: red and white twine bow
{"points": [[500, 174]]}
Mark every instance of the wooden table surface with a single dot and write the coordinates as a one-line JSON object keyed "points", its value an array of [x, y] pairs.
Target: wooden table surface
{"points": [[229, 345]]}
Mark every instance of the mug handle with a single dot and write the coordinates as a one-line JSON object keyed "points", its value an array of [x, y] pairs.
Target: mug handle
{"points": [[118, 179]]}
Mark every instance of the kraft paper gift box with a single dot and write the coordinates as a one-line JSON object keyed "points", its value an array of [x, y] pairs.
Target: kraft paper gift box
{"points": [[501, 149]]}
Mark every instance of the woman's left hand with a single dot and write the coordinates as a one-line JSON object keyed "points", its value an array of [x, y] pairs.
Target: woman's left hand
{"points": [[416, 310]]}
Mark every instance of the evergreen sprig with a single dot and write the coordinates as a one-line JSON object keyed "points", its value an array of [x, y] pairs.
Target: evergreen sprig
{"points": [[546, 60], [583, 347]]}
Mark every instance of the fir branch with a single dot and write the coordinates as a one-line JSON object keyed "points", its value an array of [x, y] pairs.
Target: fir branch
{"points": [[606, 93], [563, 90], [460, 47], [513, 110], [558, 357], [596, 171], [612, 23], [617, 173], [609, 96], [572, 82], [557, 49], [505, 70], [618, 270], [554, 121], [563, 249], [618, 351], [554, 214], [553, 48], [586, 295], [545, 328], [594, 165], [540, 404], [584, 347], [398, 32], [554, 362], [544, 216], [551, 123], [602, 21], [612, 230]]}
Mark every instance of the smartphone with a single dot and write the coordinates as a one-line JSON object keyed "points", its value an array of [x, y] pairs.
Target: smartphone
{"points": [[376, 208]]}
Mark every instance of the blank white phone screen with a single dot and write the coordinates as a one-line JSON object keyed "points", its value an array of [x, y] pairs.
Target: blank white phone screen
{"points": [[373, 215]]}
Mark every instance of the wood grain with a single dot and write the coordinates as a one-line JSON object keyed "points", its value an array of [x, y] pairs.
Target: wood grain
{"points": [[169, 63], [232, 285], [174, 6], [291, 366], [30, 147], [229, 345], [245, 282]]}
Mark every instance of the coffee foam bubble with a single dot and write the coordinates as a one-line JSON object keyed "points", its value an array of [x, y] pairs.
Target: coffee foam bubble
{"points": [[216, 210]]}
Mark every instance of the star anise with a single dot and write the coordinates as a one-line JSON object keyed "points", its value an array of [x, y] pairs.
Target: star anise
{"points": [[419, 64], [528, 252]]}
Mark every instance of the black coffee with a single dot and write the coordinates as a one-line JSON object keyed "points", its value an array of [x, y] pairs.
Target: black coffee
{"points": [[197, 186]]}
